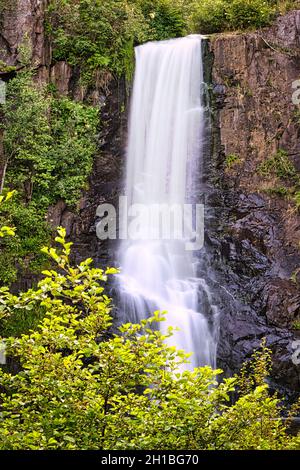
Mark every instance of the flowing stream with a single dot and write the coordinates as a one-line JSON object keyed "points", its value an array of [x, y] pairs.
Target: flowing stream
{"points": [[164, 161]]}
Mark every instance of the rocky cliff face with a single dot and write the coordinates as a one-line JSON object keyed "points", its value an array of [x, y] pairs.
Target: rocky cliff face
{"points": [[23, 20], [23, 24], [254, 238], [254, 117]]}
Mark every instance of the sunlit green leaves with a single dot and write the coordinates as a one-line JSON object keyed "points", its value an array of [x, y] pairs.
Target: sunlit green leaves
{"points": [[81, 385], [214, 16]]}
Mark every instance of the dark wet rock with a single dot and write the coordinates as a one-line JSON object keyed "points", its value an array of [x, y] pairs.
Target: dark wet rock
{"points": [[282, 303], [55, 213]]}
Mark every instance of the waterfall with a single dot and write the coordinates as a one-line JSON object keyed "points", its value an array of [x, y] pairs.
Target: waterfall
{"points": [[164, 162]]}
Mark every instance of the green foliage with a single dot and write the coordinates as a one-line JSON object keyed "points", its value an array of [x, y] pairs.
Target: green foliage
{"points": [[284, 6], [100, 34], [209, 16], [296, 198], [253, 373], [281, 191], [6, 68], [73, 130], [280, 167], [49, 143], [81, 387], [6, 231], [21, 254], [243, 14], [165, 18], [25, 51], [232, 160], [26, 134], [296, 274], [22, 321], [214, 16]]}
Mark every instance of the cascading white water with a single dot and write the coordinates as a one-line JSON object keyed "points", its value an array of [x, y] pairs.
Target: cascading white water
{"points": [[165, 148]]}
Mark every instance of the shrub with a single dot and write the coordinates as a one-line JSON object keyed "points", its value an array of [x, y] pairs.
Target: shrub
{"points": [[209, 16], [296, 199], [49, 143], [100, 34], [73, 130], [232, 160], [81, 387], [280, 167], [243, 14], [5, 230], [165, 18], [20, 255]]}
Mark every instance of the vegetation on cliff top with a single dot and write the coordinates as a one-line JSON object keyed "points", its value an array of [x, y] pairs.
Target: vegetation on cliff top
{"points": [[215, 16], [100, 34]]}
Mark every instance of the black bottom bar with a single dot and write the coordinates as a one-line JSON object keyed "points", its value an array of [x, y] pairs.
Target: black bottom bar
{"points": [[134, 459]]}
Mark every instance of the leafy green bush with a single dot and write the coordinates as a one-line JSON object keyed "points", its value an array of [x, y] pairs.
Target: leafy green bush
{"points": [[213, 16], [21, 255], [6, 68], [297, 198], [73, 130], [100, 34], [209, 16], [280, 167], [232, 160], [5, 230], [81, 387], [49, 142], [164, 18], [296, 325], [22, 320], [243, 14]]}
